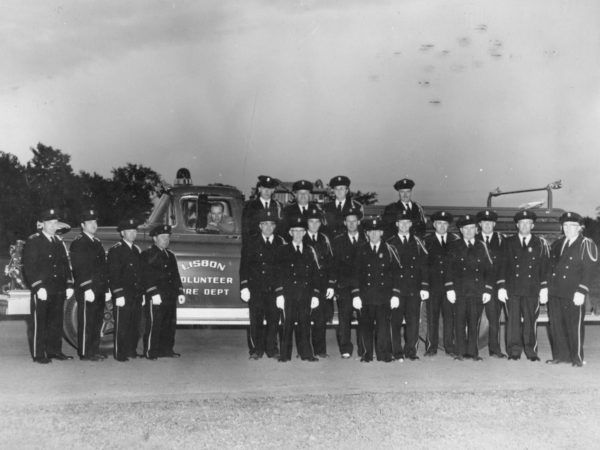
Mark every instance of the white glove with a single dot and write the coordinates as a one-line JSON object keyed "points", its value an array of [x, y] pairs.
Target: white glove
{"points": [[120, 302], [544, 296], [451, 296], [42, 294], [357, 303], [69, 292], [424, 295], [486, 298], [502, 295], [107, 296], [156, 300], [89, 296], [280, 301], [578, 299], [181, 299], [329, 294], [245, 295], [144, 300], [394, 302], [314, 303]]}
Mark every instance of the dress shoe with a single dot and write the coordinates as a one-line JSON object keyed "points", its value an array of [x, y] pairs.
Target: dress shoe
{"points": [[458, 358], [254, 356], [123, 359], [346, 355], [273, 355], [173, 355], [398, 357], [387, 359], [467, 357], [498, 355], [42, 360], [514, 357], [577, 364], [152, 358], [283, 359], [310, 359], [533, 358], [89, 358], [430, 353], [60, 356], [323, 355], [477, 358], [366, 360], [413, 357], [101, 356], [553, 361]]}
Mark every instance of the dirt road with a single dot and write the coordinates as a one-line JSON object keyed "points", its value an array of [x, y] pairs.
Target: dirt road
{"points": [[214, 397]]}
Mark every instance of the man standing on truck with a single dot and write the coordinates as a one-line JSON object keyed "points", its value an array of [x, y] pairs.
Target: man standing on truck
{"points": [[250, 215], [257, 286], [90, 272], [414, 288], [324, 312], [405, 203], [163, 289], [344, 252], [495, 244], [437, 244], [297, 292], [48, 276], [125, 273], [335, 210], [523, 284], [469, 284], [299, 209], [574, 258]]}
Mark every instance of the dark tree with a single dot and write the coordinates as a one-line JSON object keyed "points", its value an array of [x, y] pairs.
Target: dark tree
{"points": [[134, 187], [365, 198], [14, 202]]}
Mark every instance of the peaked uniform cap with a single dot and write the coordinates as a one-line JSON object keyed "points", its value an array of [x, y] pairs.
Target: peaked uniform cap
{"points": [[404, 183], [487, 214], [49, 214], [467, 219], [302, 185], [267, 181], [298, 222], [267, 216], [525, 214], [340, 180], [353, 212], [373, 224], [127, 224], [160, 229], [442, 215], [314, 213], [570, 216], [89, 214], [403, 215]]}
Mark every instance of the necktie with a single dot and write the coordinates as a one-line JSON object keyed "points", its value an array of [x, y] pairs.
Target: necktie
{"points": [[266, 205], [314, 238], [298, 249], [353, 240], [374, 247], [339, 207], [487, 240], [470, 245], [524, 243], [443, 242], [403, 240]]}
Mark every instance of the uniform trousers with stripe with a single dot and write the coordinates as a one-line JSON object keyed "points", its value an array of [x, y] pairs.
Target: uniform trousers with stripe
{"points": [[262, 308], [90, 317], [47, 317], [345, 316], [566, 329], [127, 327], [468, 315], [493, 310], [318, 331], [522, 335], [374, 320], [410, 312], [161, 320], [438, 302], [296, 320]]}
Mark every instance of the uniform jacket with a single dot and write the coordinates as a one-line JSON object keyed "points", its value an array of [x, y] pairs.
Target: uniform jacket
{"points": [[334, 219], [297, 273], [470, 271], [46, 264], [496, 249], [160, 274], [291, 212], [390, 214], [437, 259], [250, 213], [88, 260], [125, 270], [376, 275], [525, 270], [574, 269], [414, 271], [344, 254], [259, 263], [325, 258]]}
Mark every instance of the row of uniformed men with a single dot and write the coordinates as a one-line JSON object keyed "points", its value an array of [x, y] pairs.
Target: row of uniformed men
{"points": [[126, 273], [384, 282]]}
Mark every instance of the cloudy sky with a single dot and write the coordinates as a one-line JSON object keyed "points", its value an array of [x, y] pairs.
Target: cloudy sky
{"points": [[462, 96]]}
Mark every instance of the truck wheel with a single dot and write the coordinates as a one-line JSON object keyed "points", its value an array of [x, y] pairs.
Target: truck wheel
{"points": [[70, 325]]}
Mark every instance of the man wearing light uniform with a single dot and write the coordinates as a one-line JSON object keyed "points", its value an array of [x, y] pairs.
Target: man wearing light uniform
{"points": [[163, 289], [125, 273], [574, 258], [91, 282], [48, 276], [469, 285], [523, 284]]}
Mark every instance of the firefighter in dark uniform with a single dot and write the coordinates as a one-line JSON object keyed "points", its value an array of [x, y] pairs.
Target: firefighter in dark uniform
{"points": [[335, 210], [162, 289], [324, 312], [414, 288], [375, 291], [48, 275], [264, 201], [299, 208], [437, 244], [469, 282], [90, 272], [297, 292], [495, 244], [391, 211], [344, 253], [257, 286], [574, 258], [125, 274], [522, 285]]}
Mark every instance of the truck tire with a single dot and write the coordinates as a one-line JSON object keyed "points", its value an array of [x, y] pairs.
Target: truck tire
{"points": [[70, 325]]}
